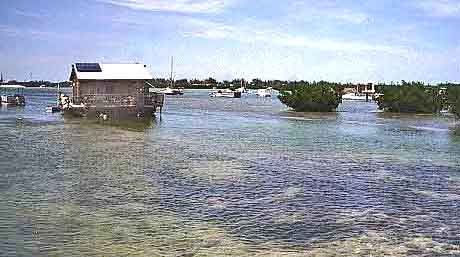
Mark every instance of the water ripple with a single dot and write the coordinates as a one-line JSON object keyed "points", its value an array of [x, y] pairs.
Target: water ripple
{"points": [[229, 178]]}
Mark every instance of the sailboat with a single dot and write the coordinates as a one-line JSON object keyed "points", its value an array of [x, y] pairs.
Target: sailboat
{"points": [[171, 90]]}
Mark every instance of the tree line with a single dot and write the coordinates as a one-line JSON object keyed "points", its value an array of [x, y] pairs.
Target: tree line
{"points": [[38, 83], [412, 97], [417, 97], [403, 97], [210, 83]]}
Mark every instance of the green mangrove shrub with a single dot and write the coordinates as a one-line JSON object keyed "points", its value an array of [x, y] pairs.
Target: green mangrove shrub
{"points": [[412, 97], [453, 100], [312, 97]]}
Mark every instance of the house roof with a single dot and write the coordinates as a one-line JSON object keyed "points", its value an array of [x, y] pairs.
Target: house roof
{"points": [[100, 71]]}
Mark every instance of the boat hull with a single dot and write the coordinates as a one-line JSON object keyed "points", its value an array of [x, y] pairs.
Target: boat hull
{"points": [[13, 100], [354, 97], [264, 92], [173, 93], [226, 94]]}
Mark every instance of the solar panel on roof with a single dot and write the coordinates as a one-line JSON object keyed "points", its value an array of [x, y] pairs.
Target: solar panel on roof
{"points": [[88, 67]]}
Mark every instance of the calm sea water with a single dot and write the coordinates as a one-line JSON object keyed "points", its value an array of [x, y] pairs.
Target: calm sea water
{"points": [[238, 177]]}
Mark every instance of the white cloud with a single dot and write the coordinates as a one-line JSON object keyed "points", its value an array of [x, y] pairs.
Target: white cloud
{"points": [[49, 35], [313, 10], [440, 8], [20, 32], [262, 31], [255, 33], [181, 6], [350, 17]]}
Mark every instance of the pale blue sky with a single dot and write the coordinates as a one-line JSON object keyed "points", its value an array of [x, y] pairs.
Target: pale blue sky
{"points": [[368, 41]]}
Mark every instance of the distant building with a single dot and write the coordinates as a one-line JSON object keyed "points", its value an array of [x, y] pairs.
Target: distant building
{"points": [[113, 90], [360, 89]]}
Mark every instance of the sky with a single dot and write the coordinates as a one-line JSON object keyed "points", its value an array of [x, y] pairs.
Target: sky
{"points": [[343, 41]]}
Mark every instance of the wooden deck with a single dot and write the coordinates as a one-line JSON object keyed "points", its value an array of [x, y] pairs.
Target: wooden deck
{"points": [[116, 106], [106, 100]]}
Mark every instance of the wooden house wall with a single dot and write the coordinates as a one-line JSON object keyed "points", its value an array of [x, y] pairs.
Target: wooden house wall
{"points": [[110, 87]]}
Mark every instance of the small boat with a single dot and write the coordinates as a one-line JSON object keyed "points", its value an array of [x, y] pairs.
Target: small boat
{"points": [[264, 92], [12, 95], [225, 93], [355, 97], [242, 90], [173, 91], [53, 109]]}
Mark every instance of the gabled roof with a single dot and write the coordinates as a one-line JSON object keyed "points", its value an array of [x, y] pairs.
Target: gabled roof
{"points": [[134, 71]]}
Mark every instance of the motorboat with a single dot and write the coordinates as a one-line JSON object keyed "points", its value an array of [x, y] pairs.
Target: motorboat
{"points": [[53, 109], [355, 97], [12, 95], [225, 93], [267, 92]]}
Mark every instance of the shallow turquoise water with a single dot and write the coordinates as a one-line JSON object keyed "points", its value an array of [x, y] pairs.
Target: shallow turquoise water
{"points": [[229, 177]]}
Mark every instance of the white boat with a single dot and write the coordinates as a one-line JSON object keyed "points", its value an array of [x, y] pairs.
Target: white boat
{"points": [[225, 93], [53, 109], [355, 97], [12, 95], [264, 92], [241, 90], [173, 91]]}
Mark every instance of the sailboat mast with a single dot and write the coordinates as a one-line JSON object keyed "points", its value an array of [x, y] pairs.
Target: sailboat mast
{"points": [[172, 65]]}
